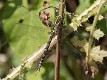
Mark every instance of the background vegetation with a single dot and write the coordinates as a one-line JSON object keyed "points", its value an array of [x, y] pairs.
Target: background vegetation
{"points": [[22, 33]]}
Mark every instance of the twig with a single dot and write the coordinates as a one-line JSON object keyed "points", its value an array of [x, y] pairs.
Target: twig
{"points": [[58, 46], [76, 21], [87, 13], [57, 63], [92, 31], [29, 61]]}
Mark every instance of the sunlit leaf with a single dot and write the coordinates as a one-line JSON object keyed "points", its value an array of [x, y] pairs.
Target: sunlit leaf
{"points": [[88, 28], [97, 54], [100, 17], [83, 5], [75, 23], [25, 39], [97, 34], [25, 32], [104, 8]]}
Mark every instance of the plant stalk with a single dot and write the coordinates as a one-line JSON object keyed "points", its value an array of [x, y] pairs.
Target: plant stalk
{"points": [[36, 55], [92, 31], [58, 46]]}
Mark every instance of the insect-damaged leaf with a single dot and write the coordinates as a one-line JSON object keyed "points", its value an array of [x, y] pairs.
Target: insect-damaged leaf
{"points": [[97, 54], [97, 34], [27, 36]]}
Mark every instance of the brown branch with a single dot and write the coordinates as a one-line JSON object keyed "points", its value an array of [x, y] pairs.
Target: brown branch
{"points": [[59, 33], [27, 63], [92, 9]]}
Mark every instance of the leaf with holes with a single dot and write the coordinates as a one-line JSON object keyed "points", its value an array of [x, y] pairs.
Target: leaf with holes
{"points": [[25, 32]]}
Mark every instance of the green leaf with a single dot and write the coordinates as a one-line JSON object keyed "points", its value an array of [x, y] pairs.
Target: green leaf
{"points": [[30, 34], [9, 8], [104, 8], [25, 38], [49, 71], [102, 24], [83, 5], [100, 17], [31, 75], [98, 34]]}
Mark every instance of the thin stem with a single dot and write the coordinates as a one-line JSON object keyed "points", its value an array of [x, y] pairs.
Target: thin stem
{"points": [[57, 65], [86, 14], [36, 55], [29, 61], [59, 33], [92, 31]]}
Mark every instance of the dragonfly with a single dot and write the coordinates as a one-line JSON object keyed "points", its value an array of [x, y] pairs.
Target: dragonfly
{"points": [[29, 26], [26, 30]]}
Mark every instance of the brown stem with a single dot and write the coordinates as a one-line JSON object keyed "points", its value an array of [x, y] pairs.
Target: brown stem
{"points": [[59, 33], [57, 66]]}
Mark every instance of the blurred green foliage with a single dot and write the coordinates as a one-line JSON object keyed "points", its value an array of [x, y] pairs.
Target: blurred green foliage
{"points": [[27, 37]]}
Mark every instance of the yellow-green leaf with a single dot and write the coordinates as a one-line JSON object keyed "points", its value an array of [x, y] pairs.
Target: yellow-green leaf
{"points": [[97, 54], [97, 34], [100, 17]]}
